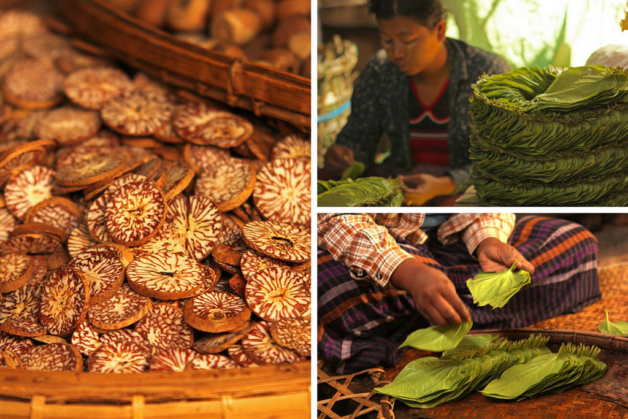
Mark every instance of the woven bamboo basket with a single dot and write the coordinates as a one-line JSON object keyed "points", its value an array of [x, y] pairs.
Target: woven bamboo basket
{"points": [[263, 90], [335, 87], [275, 392]]}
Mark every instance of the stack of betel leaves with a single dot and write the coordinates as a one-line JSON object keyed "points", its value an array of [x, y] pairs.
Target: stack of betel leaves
{"points": [[546, 137], [363, 192]]}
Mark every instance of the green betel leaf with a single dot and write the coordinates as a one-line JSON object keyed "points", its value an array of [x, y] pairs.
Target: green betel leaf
{"points": [[615, 329], [353, 172], [472, 342], [497, 288], [438, 338]]}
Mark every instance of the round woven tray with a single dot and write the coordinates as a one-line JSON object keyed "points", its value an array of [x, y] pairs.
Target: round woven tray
{"points": [[263, 90]]}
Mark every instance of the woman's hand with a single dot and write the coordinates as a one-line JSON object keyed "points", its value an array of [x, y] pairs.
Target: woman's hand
{"points": [[434, 294], [423, 187], [338, 159], [495, 256]]}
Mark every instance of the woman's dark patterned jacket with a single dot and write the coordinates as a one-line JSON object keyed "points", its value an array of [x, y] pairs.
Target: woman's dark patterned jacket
{"points": [[380, 106]]}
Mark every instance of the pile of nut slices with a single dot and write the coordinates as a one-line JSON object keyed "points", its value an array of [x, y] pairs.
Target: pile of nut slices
{"points": [[142, 229]]}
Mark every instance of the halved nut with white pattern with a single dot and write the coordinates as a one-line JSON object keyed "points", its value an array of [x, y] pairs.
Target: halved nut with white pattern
{"points": [[32, 244], [124, 308], [27, 189], [40, 229], [18, 158], [33, 84], [202, 125], [231, 230], [199, 157], [237, 354], [63, 301], [294, 334], [230, 254], [9, 360], [137, 113], [211, 362], [91, 88], [252, 262], [172, 359], [80, 240], [20, 346], [102, 270], [198, 222], [123, 335], [177, 179], [85, 338], [216, 312], [279, 240], [56, 212], [19, 312], [277, 293], [228, 183], [92, 170], [164, 327], [54, 357], [283, 191], [16, 269], [68, 125], [292, 147], [119, 357], [213, 344], [260, 347], [167, 240]]}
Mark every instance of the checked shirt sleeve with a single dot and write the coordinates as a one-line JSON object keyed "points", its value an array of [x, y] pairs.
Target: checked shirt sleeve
{"points": [[475, 228], [358, 242]]}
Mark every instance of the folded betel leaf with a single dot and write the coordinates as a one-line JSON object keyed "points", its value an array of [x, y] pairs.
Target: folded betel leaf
{"points": [[615, 329], [353, 172], [438, 338], [473, 342], [363, 192], [497, 288]]}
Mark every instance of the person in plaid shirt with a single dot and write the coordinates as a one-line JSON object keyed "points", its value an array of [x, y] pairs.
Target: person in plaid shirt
{"points": [[376, 272]]}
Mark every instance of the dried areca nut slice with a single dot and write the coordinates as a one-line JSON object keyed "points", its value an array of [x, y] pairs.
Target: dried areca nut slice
{"points": [[64, 301], [103, 271], [228, 254], [31, 243], [69, 156], [303, 267], [50, 339], [293, 334], [292, 147], [237, 354], [228, 183], [54, 357], [214, 344], [72, 60], [27, 189], [172, 359], [202, 125], [198, 221], [282, 191], [57, 260], [19, 345], [17, 159], [33, 84], [80, 240], [124, 253], [44, 46], [242, 215], [137, 113], [23, 327], [150, 169], [163, 327], [7, 224], [57, 212], [16, 270], [120, 357], [216, 312], [199, 157], [277, 293], [166, 134], [41, 229], [135, 212], [279, 240], [212, 362], [165, 275], [91, 88], [238, 284], [147, 84], [92, 170], [124, 335], [103, 139], [40, 268], [9, 360], [20, 310], [177, 179], [262, 141], [18, 23], [68, 125], [252, 262], [124, 308], [145, 142], [260, 347], [86, 339], [231, 230], [168, 153], [167, 240], [209, 281]]}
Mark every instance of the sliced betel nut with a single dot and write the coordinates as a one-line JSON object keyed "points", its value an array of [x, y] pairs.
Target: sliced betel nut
{"points": [[56, 212], [212, 362], [102, 270], [135, 212], [199, 157], [124, 308], [80, 240], [177, 179], [92, 170], [41, 229], [137, 113], [167, 240], [294, 334], [198, 221], [214, 344], [32, 244], [278, 293], [54, 357], [124, 335], [9, 360], [63, 301], [20, 24], [33, 84], [19, 158], [91, 88], [292, 147], [237, 354], [202, 125], [164, 327], [19, 312], [231, 255], [119, 357], [216, 312], [167, 276], [283, 190], [86, 339], [19, 345], [27, 189], [45, 45], [252, 262], [279, 240], [172, 359], [231, 230], [167, 134], [260, 347], [68, 125], [16, 270], [228, 183]]}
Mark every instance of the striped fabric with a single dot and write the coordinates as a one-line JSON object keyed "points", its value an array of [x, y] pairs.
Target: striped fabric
{"points": [[361, 324]]}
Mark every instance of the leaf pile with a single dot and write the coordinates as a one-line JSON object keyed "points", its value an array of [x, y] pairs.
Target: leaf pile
{"points": [[497, 288], [548, 374], [364, 192], [615, 329], [542, 137], [438, 338], [429, 382]]}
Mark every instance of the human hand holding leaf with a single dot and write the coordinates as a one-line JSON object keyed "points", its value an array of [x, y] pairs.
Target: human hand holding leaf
{"points": [[497, 288]]}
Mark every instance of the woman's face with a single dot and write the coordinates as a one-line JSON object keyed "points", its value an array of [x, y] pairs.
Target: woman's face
{"points": [[410, 45]]}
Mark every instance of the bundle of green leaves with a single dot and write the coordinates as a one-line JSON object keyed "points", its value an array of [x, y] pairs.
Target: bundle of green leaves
{"points": [[438, 338], [615, 329], [497, 288], [547, 374], [363, 192]]}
